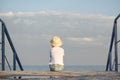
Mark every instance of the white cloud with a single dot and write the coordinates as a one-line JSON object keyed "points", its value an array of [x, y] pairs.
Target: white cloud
{"points": [[31, 32], [88, 39], [57, 13], [7, 14], [84, 39]]}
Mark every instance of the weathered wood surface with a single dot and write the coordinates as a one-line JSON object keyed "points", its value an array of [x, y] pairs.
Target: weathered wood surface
{"points": [[69, 74], [63, 73]]}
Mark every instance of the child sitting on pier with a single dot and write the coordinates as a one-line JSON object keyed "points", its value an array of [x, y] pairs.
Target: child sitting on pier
{"points": [[56, 55]]}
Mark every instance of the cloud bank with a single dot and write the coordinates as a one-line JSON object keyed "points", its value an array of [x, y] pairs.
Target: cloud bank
{"points": [[85, 36]]}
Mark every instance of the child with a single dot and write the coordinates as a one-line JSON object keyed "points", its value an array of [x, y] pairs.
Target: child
{"points": [[56, 55]]}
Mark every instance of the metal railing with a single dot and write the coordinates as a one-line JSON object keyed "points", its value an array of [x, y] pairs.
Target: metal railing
{"points": [[113, 66], [15, 56]]}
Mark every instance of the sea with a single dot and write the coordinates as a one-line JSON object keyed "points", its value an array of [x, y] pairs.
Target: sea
{"points": [[67, 68]]}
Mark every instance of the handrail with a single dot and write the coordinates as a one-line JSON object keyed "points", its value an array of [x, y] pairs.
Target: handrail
{"points": [[15, 56], [114, 41]]}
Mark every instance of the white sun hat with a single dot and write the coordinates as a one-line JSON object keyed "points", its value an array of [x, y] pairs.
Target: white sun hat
{"points": [[56, 41]]}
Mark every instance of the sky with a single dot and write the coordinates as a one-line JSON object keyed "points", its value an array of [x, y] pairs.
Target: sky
{"points": [[108, 7], [85, 26]]}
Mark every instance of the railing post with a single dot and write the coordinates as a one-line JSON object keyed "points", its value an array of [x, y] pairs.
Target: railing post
{"points": [[14, 61], [3, 48], [116, 48], [109, 61]]}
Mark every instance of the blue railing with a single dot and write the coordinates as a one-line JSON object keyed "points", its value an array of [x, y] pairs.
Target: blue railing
{"points": [[113, 66], [15, 56]]}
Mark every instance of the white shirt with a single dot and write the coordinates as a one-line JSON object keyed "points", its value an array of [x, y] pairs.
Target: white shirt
{"points": [[56, 55]]}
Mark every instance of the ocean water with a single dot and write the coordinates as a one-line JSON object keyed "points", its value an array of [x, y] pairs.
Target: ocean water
{"points": [[67, 68]]}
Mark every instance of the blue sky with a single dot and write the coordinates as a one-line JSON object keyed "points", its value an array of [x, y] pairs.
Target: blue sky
{"points": [[107, 7], [85, 27]]}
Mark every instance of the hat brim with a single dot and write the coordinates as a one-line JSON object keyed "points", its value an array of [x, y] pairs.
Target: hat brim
{"points": [[56, 44]]}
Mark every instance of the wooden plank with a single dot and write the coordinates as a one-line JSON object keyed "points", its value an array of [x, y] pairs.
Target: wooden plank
{"points": [[64, 75], [112, 75]]}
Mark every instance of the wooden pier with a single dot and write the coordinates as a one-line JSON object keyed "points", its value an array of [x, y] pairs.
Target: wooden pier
{"points": [[64, 75]]}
